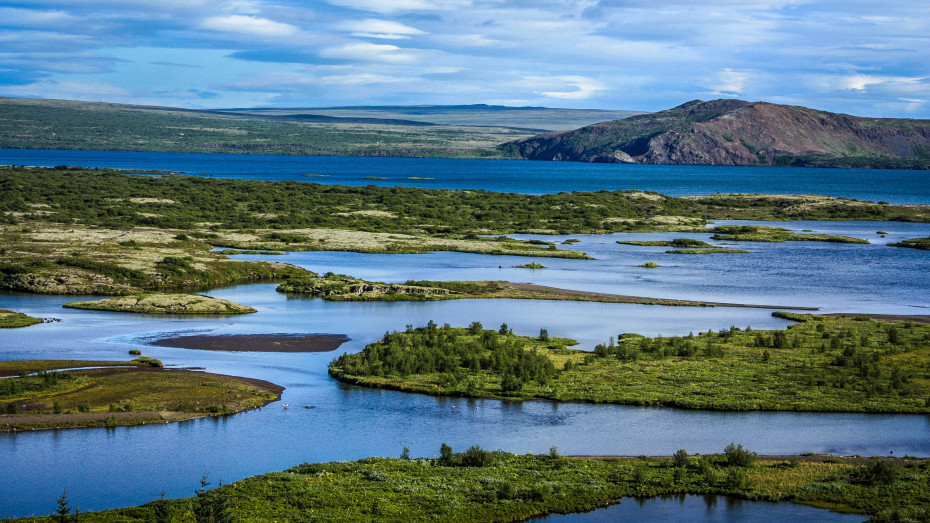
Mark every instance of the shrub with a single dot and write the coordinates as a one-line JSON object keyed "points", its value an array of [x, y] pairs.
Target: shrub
{"points": [[876, 472], [475, 456], [680, 458], [737, 456]]}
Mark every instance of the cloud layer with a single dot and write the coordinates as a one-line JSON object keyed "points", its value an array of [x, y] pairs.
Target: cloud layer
{"points": [[842, 55]]}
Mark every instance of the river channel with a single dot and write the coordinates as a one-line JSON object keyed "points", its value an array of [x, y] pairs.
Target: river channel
{"points": [[104, 468]]}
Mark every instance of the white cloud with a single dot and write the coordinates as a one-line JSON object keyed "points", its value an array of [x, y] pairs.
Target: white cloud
{"points": [[862, 82], [729, 82], [248, 25], [566, 87], [69, 90], [384, 29], [32, 17], [369, 52], [391, 6]]}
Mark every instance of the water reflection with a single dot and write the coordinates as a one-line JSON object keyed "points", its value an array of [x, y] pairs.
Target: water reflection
{"points": [[702, 509]]}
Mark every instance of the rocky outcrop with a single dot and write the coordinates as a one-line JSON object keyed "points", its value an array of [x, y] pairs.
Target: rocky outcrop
{"points": [[735, 132]]}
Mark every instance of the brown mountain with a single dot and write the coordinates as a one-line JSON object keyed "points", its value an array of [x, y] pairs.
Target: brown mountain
{"points": [[735, 132]]}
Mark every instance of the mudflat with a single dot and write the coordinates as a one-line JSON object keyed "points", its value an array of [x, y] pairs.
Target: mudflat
{"points": [[257, 342]]}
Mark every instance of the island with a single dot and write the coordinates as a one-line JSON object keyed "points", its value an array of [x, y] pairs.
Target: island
{"points": [[49, 394], [821, 364], [163, 304]]}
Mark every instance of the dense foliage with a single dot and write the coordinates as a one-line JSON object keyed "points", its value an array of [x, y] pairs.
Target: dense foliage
{"points": [[109, 198], [451, 353], [820, 364], [484, 486]]}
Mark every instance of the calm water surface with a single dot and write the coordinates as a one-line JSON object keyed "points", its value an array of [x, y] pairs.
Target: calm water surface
{"points": [[123, 466], [701, 509], [104, 468], [896, 186]]}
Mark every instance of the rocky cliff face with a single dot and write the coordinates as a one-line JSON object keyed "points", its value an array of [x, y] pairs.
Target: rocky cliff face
{"points": [[735, 132]]}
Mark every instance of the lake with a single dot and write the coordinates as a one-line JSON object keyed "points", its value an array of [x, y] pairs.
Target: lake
{"points": [[529, 177], [122, 466]]}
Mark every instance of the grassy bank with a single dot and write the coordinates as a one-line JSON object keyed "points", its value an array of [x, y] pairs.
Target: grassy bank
{"points": [[52, 394], [820, 364], [481, 486], [163, 304], [339, 287], [12, 319]]}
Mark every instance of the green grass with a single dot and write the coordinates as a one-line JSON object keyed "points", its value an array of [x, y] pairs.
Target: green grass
{"points": [[12, 319], [678, 242], [822, 364], [163, 304], [758, 233], [531, 265], [48, 398], [476, 485], [707, 251], [913, 243]]}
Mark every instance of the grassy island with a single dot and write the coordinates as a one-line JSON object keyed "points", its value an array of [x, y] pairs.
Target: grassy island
{"points": [[531, 265], [714, 250], [677, 242], [914, 243], [339, 287], [830, 364], [477, 485], [63, 393], [759, 233], [12, 319], [163, 304]]}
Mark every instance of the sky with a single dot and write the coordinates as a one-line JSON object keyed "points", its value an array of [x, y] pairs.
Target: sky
{"points": [[858, 57]]}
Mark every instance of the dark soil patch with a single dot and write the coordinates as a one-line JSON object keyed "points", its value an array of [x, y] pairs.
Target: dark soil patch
{"points": [[257, 342]]}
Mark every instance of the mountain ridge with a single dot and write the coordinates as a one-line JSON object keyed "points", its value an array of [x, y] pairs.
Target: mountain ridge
{"points": [[737, 132]]}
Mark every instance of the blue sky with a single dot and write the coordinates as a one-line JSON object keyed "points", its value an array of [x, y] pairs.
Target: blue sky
{"points": [[860, 57]]}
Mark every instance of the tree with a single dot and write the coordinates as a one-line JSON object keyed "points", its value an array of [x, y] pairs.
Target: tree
{"points": [[61, 513], [203, 508], [405, 454], [543, 334], [504, 329], [445, 455]]}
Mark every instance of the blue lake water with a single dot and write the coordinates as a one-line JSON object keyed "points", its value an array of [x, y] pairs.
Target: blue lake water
{"points": [[349, 422], [530, 177], [104, 468], [700, 509]]}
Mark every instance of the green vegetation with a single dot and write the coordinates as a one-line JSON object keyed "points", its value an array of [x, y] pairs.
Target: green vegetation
{"points": [[715, 250], [450, 355], [86, 231], [339, 287], [477, 485], [677, 242], [134, 392], [531, 265], [758, 233], [163, 304], [649, 265], [59, 124], [913, 243], [820, 364], [12, 319]]}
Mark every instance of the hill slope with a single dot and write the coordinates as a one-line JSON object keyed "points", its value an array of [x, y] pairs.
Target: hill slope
{"points": [[432, 131], [734, 132]]}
